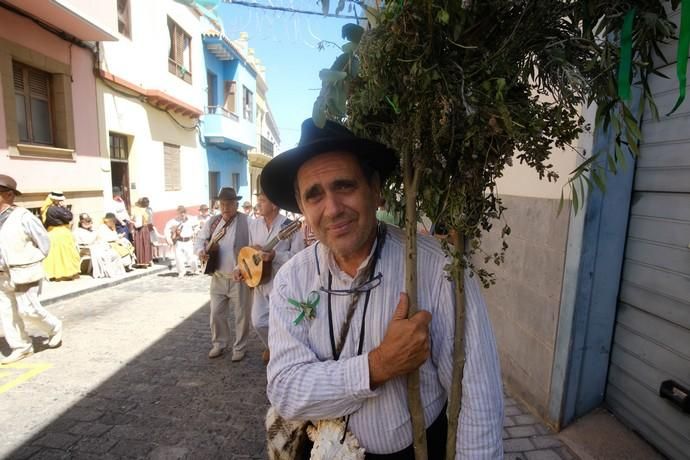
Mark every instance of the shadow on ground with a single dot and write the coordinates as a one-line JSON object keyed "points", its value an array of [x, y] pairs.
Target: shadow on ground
{"points": [[170, 402]]}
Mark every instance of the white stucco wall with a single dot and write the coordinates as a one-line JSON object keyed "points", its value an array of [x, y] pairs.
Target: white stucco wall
{"points": [[148, 130], [143, 59]]}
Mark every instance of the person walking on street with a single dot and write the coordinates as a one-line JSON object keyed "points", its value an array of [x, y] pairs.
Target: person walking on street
{"points": [[119, 208], [24, 244], [219, 242], [179, 232], [142, 224], [261, 231], [204, 215], [341, 342], [247, 208]]}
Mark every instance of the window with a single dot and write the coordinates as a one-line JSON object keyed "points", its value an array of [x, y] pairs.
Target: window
{"points": [[171, 165], [248, 102], [32, 94], [123, 18], [266, 146], [212, 83], [236, 181], [119, 148], [229, 96], [180, 55]]}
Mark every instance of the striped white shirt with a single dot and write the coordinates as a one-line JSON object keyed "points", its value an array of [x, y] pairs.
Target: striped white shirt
{"points": [[305, 383]]}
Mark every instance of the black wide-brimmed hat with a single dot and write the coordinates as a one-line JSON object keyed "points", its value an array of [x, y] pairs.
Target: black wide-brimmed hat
{"points": [[228, 193], [8, 183], [278, 176]]}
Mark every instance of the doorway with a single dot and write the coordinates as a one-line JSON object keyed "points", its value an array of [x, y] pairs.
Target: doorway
{"points": [[119, 165]]}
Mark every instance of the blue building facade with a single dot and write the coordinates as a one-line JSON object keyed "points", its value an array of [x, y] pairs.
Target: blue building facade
{"points": [[228, 125]]}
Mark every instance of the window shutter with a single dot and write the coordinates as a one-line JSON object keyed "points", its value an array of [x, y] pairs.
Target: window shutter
{"points": [[39, 84], [18, 78], [123, 17], [171, 165], [179, 45], [229, 96]]}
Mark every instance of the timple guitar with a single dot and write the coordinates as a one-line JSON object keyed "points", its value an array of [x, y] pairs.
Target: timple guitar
{"points": [[176, 232], [209, 264], [252, 267]]}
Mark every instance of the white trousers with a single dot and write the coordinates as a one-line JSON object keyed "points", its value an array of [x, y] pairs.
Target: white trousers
{"points": [[184, 253], [260, 309], [20, 304], [227, 293]]}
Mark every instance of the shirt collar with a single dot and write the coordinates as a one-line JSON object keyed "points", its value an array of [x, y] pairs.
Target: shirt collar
{"points": [[338, 273]]}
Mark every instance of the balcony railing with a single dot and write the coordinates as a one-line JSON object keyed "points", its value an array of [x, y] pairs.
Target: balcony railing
{"points": [[266, 146], [220, 110]]}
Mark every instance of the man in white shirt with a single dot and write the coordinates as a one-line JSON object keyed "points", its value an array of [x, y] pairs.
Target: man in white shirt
{"points": [[24, 243], [217, 245], [179, 232], [262, 231], [341, 343], [247, 208]]}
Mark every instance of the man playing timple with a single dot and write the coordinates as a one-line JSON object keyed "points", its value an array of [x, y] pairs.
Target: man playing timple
{"points": [[341, 343], [231, 231], [261, 231], [179, 232], [24, 243]]}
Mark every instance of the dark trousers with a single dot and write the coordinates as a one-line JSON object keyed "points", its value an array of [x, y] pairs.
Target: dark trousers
{"points": [[435, 441]]}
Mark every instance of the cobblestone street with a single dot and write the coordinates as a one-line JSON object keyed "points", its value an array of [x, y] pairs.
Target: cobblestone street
{"points": [[132, 380]]}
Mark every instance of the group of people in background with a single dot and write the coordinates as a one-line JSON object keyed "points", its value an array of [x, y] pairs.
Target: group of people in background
{"points": [[121, 241], [225, 234], [118, 243]]}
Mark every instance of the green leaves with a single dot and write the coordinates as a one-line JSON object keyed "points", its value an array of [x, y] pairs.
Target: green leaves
{"points": [[465, 91], [442, 17]]}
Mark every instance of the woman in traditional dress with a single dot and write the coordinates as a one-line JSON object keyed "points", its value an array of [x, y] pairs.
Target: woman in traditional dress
{"points": [[62, 262], [107, 232], [105, 262], [142, 220]]}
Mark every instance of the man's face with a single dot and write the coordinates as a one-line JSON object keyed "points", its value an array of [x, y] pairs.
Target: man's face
{"points": [[228, 208], [338, 202], [181, 215], [203, 211], [6, 197], [266, 206]]}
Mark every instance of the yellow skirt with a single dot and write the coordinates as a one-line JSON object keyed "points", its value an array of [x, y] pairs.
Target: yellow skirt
{"points": [[63, 257]]}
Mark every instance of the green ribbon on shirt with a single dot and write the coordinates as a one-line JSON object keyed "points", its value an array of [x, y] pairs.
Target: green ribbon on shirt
{"points": [[626, 57], [306, 308], [682, 55]]}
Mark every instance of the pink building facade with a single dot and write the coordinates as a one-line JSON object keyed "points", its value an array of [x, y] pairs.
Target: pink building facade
{"points": [[49, 130]]}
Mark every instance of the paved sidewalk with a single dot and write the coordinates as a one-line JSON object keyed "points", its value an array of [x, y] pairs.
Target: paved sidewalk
{"points": [[55, 291], [525, 438]]}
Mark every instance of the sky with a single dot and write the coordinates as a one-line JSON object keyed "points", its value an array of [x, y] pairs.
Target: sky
{"points": [[286, 43]]}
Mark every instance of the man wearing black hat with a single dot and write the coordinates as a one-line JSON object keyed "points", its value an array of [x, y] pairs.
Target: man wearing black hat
{"points": [[24, 243], [261, 231], [218, 244], [341, 343]]}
